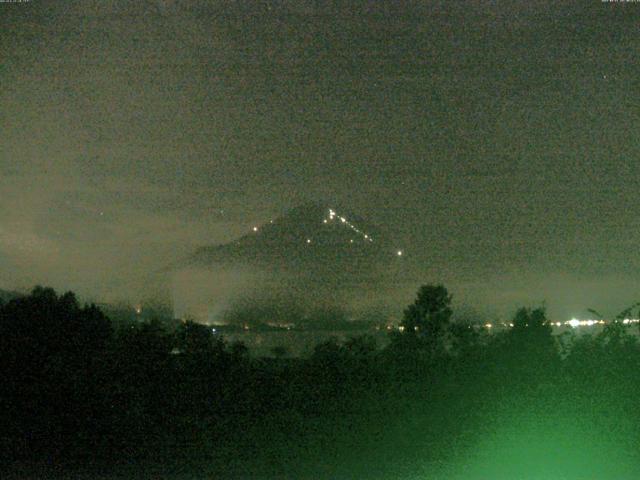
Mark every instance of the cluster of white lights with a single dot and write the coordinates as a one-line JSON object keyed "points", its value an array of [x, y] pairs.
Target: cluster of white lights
{"points": [[333, 216], [574, 322]]}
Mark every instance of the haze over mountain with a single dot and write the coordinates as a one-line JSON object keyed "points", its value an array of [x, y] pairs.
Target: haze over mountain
{"points": [[313, 235], [313, 260]]}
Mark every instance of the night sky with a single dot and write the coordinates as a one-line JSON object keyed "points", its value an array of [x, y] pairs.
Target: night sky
{"points": [[497, 141]]}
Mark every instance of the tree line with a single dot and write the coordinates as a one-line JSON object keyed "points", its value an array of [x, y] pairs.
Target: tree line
{"points": [[79, 394]]}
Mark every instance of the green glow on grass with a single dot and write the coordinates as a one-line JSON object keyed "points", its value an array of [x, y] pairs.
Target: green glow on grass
{"points": [[579, 443]]}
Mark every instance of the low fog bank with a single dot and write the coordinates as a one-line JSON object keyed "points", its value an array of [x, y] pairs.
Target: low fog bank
{"points": [[248, 295]]}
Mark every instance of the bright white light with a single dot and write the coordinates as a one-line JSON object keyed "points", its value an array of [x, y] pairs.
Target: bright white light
{"points": [[351, 241], [488, 325], [324, 221], [399, 253], [574, 322], [343, 220], [308, 240], [255, 229], [213, 330]]}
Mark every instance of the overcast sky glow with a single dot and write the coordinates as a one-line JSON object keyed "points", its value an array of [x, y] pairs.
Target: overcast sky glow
{"points": [[496, 140]]}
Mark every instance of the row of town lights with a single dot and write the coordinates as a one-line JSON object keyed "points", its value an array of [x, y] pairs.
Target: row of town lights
{"points": [[573, 323]]}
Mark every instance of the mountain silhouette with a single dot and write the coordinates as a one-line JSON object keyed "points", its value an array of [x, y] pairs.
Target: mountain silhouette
{"points": [[313, 262], [311, 237]]}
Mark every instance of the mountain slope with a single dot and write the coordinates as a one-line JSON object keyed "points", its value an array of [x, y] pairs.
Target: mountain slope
{"points": [[315, 262], [312, 236]]}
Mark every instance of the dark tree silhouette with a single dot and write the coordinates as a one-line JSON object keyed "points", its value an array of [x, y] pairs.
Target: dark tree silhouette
{"points": [[52, 356], [531, 352], [531, 321], [72, 390], [196, 339], [430, 313], [361, 346], [279, 351]]}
